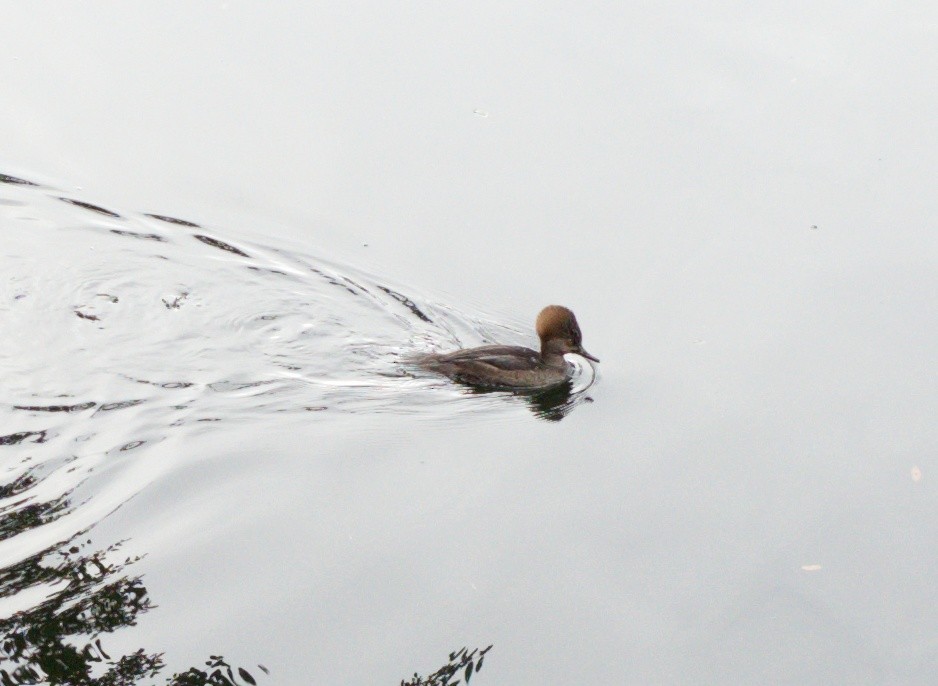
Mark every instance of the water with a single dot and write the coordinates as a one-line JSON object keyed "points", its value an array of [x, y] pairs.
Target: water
{"points": [[243, 223], [137, 337]]}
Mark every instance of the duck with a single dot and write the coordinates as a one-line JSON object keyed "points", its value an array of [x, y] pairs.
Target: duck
{"points": [[513, 366]]}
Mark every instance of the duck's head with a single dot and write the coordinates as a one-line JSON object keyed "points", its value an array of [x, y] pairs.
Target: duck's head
{"points": [[559, 332]]}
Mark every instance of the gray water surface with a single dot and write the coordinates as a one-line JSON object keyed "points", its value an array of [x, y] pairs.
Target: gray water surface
{"points": [[241, 222]]}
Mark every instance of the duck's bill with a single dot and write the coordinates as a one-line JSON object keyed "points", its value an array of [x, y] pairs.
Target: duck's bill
{"points": [[587, 355]]}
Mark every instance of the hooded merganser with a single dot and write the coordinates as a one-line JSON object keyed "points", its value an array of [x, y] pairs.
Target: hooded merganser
{"points": [[513, 366]]}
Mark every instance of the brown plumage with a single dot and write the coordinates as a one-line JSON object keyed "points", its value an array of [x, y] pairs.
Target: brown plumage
{"points": [[512, 366]]}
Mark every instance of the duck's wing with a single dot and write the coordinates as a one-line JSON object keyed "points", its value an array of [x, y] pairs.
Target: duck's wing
{"points": [[507, 357]]}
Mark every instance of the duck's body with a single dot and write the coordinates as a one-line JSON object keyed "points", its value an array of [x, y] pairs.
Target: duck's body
{"points": [[512, 366]]}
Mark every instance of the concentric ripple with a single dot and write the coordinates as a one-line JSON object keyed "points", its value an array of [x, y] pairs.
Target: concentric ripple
{"points": [[127, 332], [122, 330]]}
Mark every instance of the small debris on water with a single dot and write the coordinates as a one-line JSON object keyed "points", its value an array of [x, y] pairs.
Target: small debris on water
{"points": [[176, 303], [810, 568]]}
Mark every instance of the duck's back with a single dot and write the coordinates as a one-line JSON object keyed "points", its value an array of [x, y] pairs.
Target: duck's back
{"points": [[508, 357], [510, 366]]}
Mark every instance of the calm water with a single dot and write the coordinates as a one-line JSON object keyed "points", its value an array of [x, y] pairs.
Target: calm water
{"points": [[218, 258]]}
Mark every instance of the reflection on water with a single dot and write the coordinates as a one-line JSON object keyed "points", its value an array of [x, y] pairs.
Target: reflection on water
{"points": [[462, 665], [135, 332], [5, 178], [552, 404], [79, 595], [214, 328]]}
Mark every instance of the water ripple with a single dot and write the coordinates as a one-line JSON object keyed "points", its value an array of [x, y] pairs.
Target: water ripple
{"points": [[132, 331]]}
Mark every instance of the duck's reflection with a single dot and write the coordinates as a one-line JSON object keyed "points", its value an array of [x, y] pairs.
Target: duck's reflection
{"points": [[552, 404], [556, 403]]}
